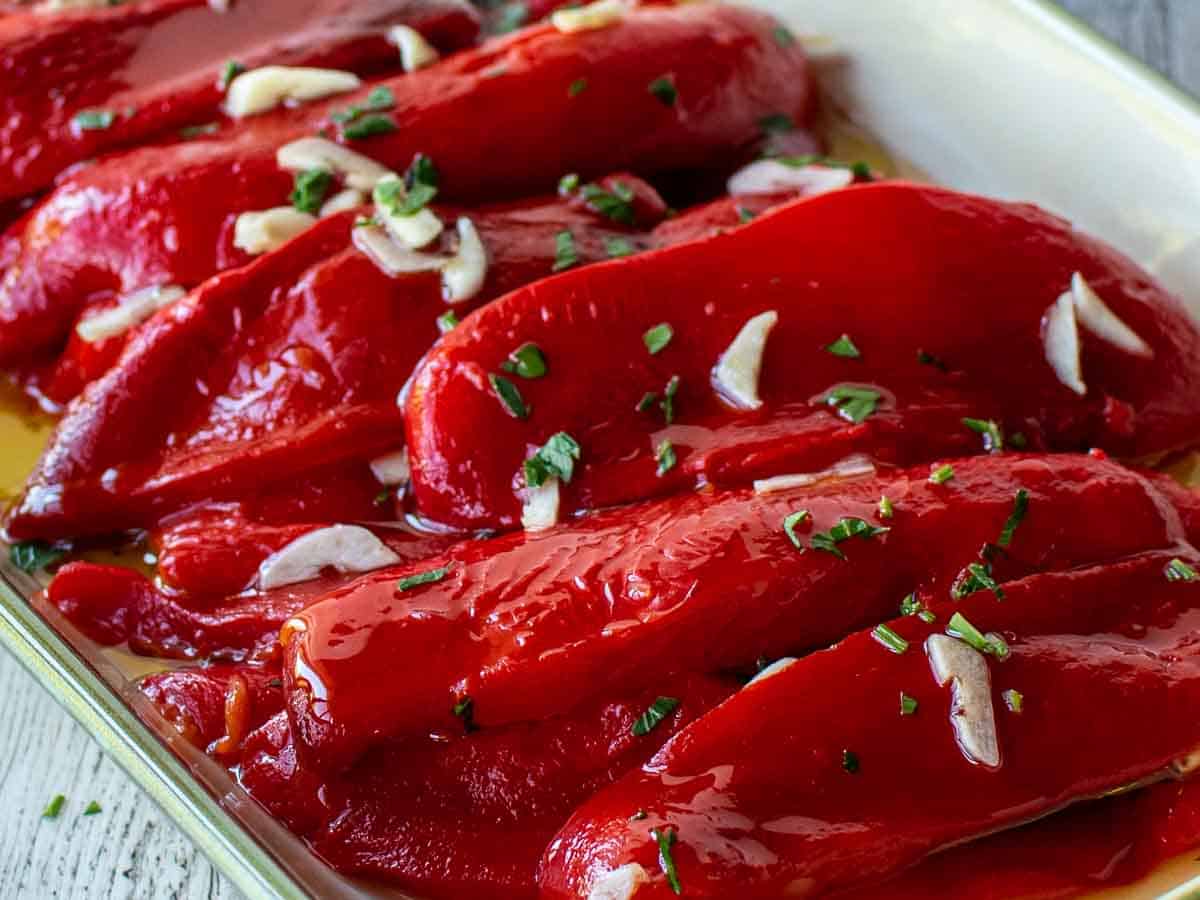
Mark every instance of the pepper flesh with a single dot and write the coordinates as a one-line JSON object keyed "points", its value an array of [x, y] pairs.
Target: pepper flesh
{"points": [[527, 625], [1105, 657], [165, 215], [905, 268]]}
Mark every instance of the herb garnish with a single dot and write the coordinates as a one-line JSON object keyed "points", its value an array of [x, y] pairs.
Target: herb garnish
{"points": [[665, 454], [1014, 700], [465, 710], [54, 807], [844, 347], [528, 361], [845, 529], [911, 606], [960, 628], [975, 577], [850, 762], [908, 705], [91, 809], [615, 203], [382, 498], [310, 188], [668, 401], [554, 459], [194, 131], [617, 247], [412, 581], [941, 474], [783, 37], [447, 321], [648, 400], [789, 527], [886, 508], [993, 437], [745, 215], [569, 183], [566, 254], [94, 119], [1020, 506], [928, 359], [577, 87], [1178, 570], [380, 99], [852, 403], [509, 396], [776, 123], [888, 638], [230, 71], [658, 710], [369, 126], [658, 337], [663, 89], [512, 16], [666, 837], [33, 555]]}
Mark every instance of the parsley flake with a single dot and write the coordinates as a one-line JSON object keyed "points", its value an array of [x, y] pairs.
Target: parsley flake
{"points": [[91, 809], [975, 577], [658, 337], [962, 629], [665, 454], [886, 508], [888, 638], [615, 202], [850, 762], [54, 807], [94, 119], [230, 71], [668, 401], [993, 437], [577, 87], [617, 247], [447, 321], [566, 254], [845, 529], [554, 459], [1014, 700], [941, 474], [509, 396], [928, 359], [368, 127], [777, 123], [430, 577], [310, 188], [465, 709], [1020, 506], [911, 606], [30, 556], [789, 527], [844, 347], [783, 37], [658, 710], [852, 403], [908, 705], [666, 837], [569, 183], [528, 361], [1178, 570], [648, 400], [663, 89]]}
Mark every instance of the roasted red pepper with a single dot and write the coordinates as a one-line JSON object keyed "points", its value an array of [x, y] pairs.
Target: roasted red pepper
{"points": [[527, 625], [908, 273], [1103, 659], [144, 70], [498, 121]]}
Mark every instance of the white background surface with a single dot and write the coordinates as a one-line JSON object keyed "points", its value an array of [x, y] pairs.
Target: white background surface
{"points": [[130, 850]]}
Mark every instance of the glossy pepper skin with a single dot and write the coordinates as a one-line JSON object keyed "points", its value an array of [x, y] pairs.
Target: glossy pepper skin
{"points": [[527, 625], [499, 122], [143, 63], [301, 355], [900, 268], [1105, 658]]}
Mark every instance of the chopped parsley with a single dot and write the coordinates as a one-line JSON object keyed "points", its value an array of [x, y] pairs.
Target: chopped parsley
{"points": [[658, 337], [528, 361], [941, 474], [845, 529], [658, 710], [382, 498], [663, 89], [614, 203], [577, 87], [911, 606], [1018, 441], [380, 99], [569, 183], [993, 437], [508, 394], [960, 628], [844, 347], [310, 188], [886, 507], [1014, 700], [554, 459], [1020, 506], [430, 577], [789, 527], [512, 16], [665, 837], [777, 123], [33, 555], [668, 401], [1178, 570], [852, 403], [908, 705], [648, 400], [94, 119], [447, 321], [665, 454], [783, 37], [194, 131], [465, 709], [230, 71], [566, 254], [617, 247], [975, 577], [850, 762], [888, 638], [91, 809], [745, 215], [54, 807], [928, 359], [368, 127]]}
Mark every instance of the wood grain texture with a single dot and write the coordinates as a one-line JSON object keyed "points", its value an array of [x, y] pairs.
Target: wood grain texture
{"points": [[130, 850]]}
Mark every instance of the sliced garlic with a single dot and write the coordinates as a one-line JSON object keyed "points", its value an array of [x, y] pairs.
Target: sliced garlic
{"points": [[463, 276], [342, 201], [390, 257], [1060, 339], [971, 714], [261, 90], [600, 14], [736, 374], [346, 548], [541, 506], [261, 232], [51, 6], [393, 469], [359, 172], [1096, 317], [854, 466], [415, 51], [619, 884], [415, 231], [773, 669], [767, 176], [130, 311]]}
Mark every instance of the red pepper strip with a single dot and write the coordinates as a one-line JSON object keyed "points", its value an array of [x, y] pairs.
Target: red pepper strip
{"points": [[527, 625], [1105, 659], [300, 357], [181, 202], [157, 67], [465, 816], [201, 703], [900, 268]]}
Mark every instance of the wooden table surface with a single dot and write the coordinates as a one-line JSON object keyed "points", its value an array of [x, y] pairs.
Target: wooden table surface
{"points": [[130, 850]]}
